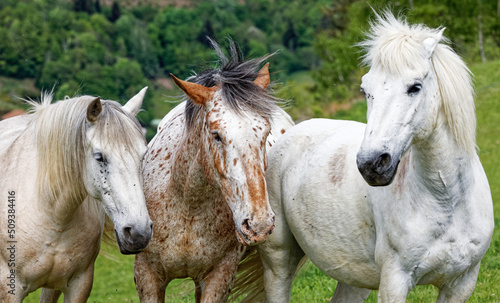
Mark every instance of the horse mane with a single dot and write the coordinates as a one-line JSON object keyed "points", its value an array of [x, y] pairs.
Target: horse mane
{"points": [[60, 131], [235, 78], [394, 46]]}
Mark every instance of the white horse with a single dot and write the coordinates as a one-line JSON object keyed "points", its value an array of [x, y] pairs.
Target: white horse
{"points": [[428, 216], [63, 168]]}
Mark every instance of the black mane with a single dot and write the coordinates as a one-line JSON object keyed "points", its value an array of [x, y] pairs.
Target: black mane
{"points": [[235, 76]]}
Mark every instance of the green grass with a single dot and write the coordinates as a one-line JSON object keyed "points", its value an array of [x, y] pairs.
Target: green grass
{"points": [[114, 280]]}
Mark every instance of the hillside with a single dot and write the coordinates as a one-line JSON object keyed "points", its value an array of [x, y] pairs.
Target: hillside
{"points": [[153, 3]]}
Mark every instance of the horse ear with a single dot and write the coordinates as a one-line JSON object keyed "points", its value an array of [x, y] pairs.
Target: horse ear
{"points": [[134, 104], [196, 92], [94, 110], [263, 79], [431, 43]]}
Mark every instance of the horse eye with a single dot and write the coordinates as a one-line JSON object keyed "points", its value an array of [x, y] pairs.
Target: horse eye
{"points": [[98, 156], [216, 136], [414, 89]]}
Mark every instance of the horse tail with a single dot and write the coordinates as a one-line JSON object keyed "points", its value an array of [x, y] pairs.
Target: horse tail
{"points": [[249, 282]]}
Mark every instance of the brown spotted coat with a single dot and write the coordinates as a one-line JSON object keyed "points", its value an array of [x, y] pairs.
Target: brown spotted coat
{"points": [[206, 194]]}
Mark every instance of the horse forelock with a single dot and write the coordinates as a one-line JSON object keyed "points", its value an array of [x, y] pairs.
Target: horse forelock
{"points": [[61, 130], [117, 129], [235, 78], [393, 46]]}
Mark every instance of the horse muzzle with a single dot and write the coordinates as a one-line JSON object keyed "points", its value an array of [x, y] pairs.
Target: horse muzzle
{"points": [[377, 168], [133, 240], [250, 233]]}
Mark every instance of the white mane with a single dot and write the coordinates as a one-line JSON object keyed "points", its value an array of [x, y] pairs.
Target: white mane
{"points": [[61, 142], [394, 46]]}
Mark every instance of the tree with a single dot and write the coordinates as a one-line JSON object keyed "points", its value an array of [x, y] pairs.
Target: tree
{"points": [[97, 6], [290, 38], [115, 12], [83, 6], [480, 32], [138, 44], [337, 78], [206, 32]]}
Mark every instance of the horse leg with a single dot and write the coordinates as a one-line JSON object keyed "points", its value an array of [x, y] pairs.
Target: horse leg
{"points": [[50, 295], [197, 291], [80, 286], [461, 289], [150, 280], [280, 255], [216, 285], [345, 294], [395, 284]]}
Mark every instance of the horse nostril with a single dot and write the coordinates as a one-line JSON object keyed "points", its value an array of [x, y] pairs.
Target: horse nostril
{"points": [[246, 224], [127, 232], [382, 162]]}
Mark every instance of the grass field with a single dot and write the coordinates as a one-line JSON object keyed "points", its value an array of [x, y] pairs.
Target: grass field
{"points": [[114, 279]]}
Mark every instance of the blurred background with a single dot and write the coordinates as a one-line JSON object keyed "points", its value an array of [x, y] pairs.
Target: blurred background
{"points": [[114, 48]]}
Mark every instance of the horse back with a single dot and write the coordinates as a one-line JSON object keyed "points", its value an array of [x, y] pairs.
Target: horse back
{"points": [[10, 130]]}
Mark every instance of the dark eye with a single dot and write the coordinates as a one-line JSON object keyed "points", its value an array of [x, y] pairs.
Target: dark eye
{"points": [[414, 89], [216, 136], [99, 157]]}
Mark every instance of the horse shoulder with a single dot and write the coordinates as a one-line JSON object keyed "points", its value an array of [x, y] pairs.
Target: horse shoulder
{"points": [[482, 192], [448, 247], [479, 209]]}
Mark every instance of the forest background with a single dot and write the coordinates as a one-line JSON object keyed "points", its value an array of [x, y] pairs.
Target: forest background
{"points": [[114, 48]]}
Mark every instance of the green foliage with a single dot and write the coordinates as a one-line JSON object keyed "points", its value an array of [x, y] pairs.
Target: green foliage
{"points": [[84, 47], [344, 24]]}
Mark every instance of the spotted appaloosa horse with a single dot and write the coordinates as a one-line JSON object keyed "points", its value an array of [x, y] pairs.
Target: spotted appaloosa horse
{"points": [[204, 179], [64, 167]]}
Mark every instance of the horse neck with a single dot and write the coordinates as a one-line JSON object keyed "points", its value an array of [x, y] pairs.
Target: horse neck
{"points": [[59, 180], [65, 206], [189, 180], [442, 166]]}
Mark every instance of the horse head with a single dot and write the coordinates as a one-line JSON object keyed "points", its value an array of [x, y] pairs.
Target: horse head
{"points": [[233, 149], [114, 150], [403, 99]]}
